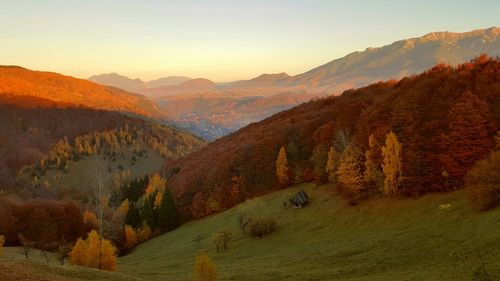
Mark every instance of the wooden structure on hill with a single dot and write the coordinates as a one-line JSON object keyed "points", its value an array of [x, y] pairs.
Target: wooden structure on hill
{"points": [[300, 199]]}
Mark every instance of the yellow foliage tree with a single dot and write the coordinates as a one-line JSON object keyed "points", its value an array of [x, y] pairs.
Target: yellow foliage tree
{"points": [[158, 198], [392, 165], [122, 210], [349, 168], [372, 174], [156, 183], [94, 252], [90, 219], [331, 164], [282, 167], [2, 242], [205, 268], [130, 237], [78, 254], [144, 233]]}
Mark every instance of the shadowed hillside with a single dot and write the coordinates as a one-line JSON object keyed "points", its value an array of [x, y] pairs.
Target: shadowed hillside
{"points": [[30, 127]]}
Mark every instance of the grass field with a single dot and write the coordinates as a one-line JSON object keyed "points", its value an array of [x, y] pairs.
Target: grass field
{"points": [[382, 239]]}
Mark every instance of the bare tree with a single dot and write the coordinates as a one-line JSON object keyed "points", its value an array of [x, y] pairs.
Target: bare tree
{"points": [[100, 189]]}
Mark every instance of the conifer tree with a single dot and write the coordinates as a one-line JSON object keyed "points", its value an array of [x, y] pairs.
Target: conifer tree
{"points": [[148, 213], [133, 217], [168, 218], [392, 165]]}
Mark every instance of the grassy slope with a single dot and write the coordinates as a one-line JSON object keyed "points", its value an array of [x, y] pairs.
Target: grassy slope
{"points": [[13, 266], [382, 239]]}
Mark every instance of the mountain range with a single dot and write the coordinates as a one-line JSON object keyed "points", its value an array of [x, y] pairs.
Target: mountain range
{"points": [[136, 85], [223, 113]]}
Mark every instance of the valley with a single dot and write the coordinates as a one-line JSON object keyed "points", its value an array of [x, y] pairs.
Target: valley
{"points": [[212, 110]]}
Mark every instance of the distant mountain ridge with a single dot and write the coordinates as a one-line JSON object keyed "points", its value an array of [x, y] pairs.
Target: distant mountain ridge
{"points": [[136, 85], [357, 69], [399, 59]]}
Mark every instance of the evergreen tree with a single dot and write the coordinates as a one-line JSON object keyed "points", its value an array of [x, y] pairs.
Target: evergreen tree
{"points": [[133, 217], [168, 218], [148, 213]]}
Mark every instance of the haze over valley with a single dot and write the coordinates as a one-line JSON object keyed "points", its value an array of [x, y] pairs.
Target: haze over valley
{"points": [[211, 110]]}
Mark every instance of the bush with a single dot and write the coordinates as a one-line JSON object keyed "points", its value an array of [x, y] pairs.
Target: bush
{"points": [[482, 183], [262, 226]]}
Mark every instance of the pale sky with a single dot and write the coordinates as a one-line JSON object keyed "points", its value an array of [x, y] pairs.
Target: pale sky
{"points": [[220, 40]]}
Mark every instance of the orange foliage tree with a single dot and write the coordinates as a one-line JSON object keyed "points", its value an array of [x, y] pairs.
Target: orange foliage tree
{"points": [[282, 167], [130, 237], [90, 219], [467, 138]]}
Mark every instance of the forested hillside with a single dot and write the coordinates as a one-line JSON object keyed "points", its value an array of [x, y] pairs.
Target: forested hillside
{"points": [[436, 124], [16, 82], [30, 127]]}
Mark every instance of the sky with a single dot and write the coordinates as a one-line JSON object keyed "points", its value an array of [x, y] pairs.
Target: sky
{"points": [[222, 40]]}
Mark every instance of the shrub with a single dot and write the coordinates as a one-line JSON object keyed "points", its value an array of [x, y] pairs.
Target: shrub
{"points": [[262, 226], [205, 268], [482, 183]]}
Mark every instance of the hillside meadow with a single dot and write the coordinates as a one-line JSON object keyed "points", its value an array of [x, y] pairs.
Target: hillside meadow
{"points": [[435, 237]]}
